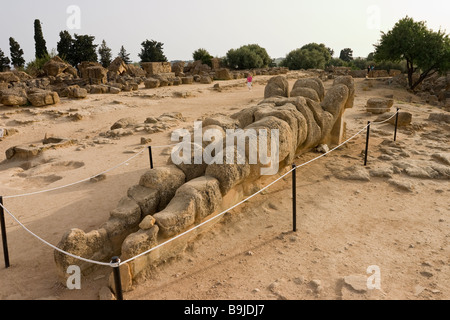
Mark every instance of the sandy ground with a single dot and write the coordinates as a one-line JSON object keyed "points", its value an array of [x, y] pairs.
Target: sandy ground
{"points": [[398, 223]]}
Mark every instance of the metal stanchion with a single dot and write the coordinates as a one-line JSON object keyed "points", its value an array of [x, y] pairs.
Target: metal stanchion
{"points": [[151, 157], [294, 199], [367, 143], [396, 125], [117, 281], [4, 239]]}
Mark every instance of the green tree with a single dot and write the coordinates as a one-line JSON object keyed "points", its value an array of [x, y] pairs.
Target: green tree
{"points": [[304, 59], [326, 52], [423, 49], [337, 62], [124, 55], [17, 59], [262, 53], [64, 45], [152, 51], [4, 61], [82, 49], [105, 54], [346, 55], [310, 56], [203, 56], [248, 57], [40, 44], [359, 63]]}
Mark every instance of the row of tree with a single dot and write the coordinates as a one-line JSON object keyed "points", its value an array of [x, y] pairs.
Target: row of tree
{"points": [[409, 46], [75, 50], [17, 59]]}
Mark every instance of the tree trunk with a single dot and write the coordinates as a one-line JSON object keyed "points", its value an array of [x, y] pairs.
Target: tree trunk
{"points": [[422, 77], [410, 67]]}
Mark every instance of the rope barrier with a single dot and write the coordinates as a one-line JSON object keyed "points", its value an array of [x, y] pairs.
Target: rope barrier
{"points": [[239, 203], [117, 166], [86, 179], [118, 263], [49, 244], [386, 120]]}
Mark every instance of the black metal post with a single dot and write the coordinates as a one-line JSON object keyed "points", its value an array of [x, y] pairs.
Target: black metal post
{"points": [[4, 239], [151, 157], [117, 281], [396, 124], [294, 199], [367, 143]]}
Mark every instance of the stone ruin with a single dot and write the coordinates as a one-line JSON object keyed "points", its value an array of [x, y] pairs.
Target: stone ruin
{"points": [[182, 73], [173, 198], [334, 71], [435, 90], [59, 79], [26, 152]]}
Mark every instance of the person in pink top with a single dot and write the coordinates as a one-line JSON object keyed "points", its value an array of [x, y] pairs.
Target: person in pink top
{"points": [[249, 81]]}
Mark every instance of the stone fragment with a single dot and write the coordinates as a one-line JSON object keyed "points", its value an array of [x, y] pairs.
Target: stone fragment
{"points": [[166, 180], [404, 118], [356, 282], [353, 173], [277, 87], [402, 185], [146, 198], [349, 82], [379, 105], [140, 241]]}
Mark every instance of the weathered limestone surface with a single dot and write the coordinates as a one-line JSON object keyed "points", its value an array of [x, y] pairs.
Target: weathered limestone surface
{"points": [[25, 152], [154, 68], [171, 199], [379, 105]]}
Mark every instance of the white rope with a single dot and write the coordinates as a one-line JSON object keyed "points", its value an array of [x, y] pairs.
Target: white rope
{"points": [[86, 179], [373, 108], [121, 164], [381, 122], [239, 203], [74, 183], [49, 244], [204, 222], [165, 146]]}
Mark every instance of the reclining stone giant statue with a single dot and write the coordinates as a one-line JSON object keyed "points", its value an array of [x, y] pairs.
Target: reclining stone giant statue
{"points": [[173, 198]]}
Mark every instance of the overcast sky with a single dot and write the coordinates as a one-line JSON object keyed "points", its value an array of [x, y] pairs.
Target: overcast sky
{"points": [[186, 25]]}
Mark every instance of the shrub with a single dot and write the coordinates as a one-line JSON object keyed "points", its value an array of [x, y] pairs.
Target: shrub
{"points": [[248, 57], [203, 56], [304, 59], [310, 56]]}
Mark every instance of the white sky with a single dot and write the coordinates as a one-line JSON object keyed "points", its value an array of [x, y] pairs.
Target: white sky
{"points": [[186, 25]]}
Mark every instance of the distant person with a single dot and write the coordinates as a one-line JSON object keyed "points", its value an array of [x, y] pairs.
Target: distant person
{"points": [[371, 71], [249, 81]]}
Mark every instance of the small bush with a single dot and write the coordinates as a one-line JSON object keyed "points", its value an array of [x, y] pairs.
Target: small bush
{"points": [[203, 56], [248, 57], [34, 68]]}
